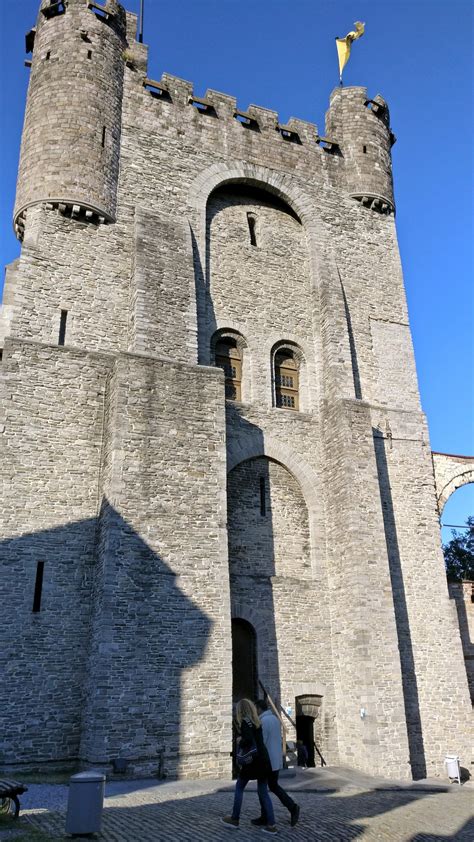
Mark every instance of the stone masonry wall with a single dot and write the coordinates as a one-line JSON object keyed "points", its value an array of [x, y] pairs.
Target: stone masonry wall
{"points": [[73, 266], [463, 595], [415, 555], [160, 655], [52, 405]]}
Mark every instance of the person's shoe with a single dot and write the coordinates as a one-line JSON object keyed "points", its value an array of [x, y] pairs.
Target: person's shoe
{"points": [[270, 828], [295, 814], [230, 822], [260, 822]]}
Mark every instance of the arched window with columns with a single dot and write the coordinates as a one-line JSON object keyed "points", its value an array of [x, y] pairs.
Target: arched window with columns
{"points": [[227, 350], [287, 361]]}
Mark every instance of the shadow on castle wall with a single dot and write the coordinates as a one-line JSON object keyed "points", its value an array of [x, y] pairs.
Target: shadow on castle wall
{"points": [[456, 593], [407, 661], [252, 548], [96, 673]]}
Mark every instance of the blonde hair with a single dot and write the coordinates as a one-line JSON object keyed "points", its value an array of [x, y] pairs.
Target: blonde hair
{"points": [[247, 710]]}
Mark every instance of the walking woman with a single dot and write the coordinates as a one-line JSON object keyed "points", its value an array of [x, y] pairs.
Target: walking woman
{"points": [[253, 762]]}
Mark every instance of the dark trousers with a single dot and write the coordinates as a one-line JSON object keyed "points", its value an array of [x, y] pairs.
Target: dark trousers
{"points": [[280, 793]]}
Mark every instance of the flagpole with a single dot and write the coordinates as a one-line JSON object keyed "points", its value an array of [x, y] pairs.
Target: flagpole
{"points": [[140, 27]]}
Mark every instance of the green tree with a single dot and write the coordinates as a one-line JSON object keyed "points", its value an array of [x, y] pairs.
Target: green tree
{"points": [[459, 553]]}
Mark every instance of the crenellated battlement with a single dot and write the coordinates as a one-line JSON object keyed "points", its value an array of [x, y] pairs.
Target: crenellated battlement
{"points": [[81, 126], [357, 129], [224, 106], [357, 132]]}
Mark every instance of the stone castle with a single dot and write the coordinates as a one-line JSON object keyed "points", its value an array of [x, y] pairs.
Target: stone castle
{"points": [[218, 475]]}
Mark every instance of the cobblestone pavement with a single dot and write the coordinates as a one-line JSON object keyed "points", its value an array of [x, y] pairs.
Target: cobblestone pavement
{"points": [[151, 812]]}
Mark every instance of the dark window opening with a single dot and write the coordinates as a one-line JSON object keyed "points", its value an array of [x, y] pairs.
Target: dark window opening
{"points": [[228, 357], [286, 380], [364, 149], [203, 106], [30, 40], [252, 223], [157, 90], [263, 506], [103, 135], [38, 587], [246, 120], [56, 7], [89, 53], [99, 11], [1, 354], [48, 55], [291, 137], [62, 327]]}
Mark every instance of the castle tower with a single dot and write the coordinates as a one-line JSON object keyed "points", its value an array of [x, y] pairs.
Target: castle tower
{"points": [[212, 439], [71, 136], [362, 127]]}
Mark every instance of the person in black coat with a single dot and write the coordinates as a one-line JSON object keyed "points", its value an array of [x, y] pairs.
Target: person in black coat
{"points": [[254, 764]]}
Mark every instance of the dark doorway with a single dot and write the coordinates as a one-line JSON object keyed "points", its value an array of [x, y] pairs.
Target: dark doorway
{"points": [[305, 733], [244, 661]]}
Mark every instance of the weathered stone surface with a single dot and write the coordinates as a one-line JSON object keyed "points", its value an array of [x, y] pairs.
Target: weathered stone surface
{"points": [[116, 446]]}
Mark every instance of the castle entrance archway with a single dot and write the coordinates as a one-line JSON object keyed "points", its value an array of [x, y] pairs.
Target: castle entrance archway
{"points": [[244, 660], [307, 711]]}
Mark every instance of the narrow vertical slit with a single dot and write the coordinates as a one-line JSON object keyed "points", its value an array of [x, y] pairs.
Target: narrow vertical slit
{"points": [[62, 328], [252, 223], [364, 149], [89, 53], [263, 505], [103, 135], [38, 587]]}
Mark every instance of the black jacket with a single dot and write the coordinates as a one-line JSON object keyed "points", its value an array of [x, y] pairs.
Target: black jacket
{"points": [[260, 767]]}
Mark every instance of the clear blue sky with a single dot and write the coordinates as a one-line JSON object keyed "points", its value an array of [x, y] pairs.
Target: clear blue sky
{"points": [[280, 54]]}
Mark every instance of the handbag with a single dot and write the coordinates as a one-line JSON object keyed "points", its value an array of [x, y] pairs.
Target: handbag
{"points": [[246, 753]]}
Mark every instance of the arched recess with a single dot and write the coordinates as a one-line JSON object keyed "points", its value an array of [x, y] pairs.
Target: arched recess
{"points": [[236, 340], [323, 269], [263, 287], [451, 472], [252, 447]]}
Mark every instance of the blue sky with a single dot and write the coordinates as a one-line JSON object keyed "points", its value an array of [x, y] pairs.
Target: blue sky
{"points": [[280, 54]]}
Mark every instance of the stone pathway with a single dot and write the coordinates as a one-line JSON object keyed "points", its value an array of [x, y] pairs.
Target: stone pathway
{"points": [[332, 809]]}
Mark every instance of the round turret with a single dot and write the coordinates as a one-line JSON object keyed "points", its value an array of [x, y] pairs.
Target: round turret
{"points": [[361, 128], [71, 135]]}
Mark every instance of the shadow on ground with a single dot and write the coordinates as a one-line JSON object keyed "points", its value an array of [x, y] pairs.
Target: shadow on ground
{"points": [[157, 814]]}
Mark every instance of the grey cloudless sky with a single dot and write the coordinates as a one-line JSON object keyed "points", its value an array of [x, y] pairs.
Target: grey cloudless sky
{"points": [[281, 54]]}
